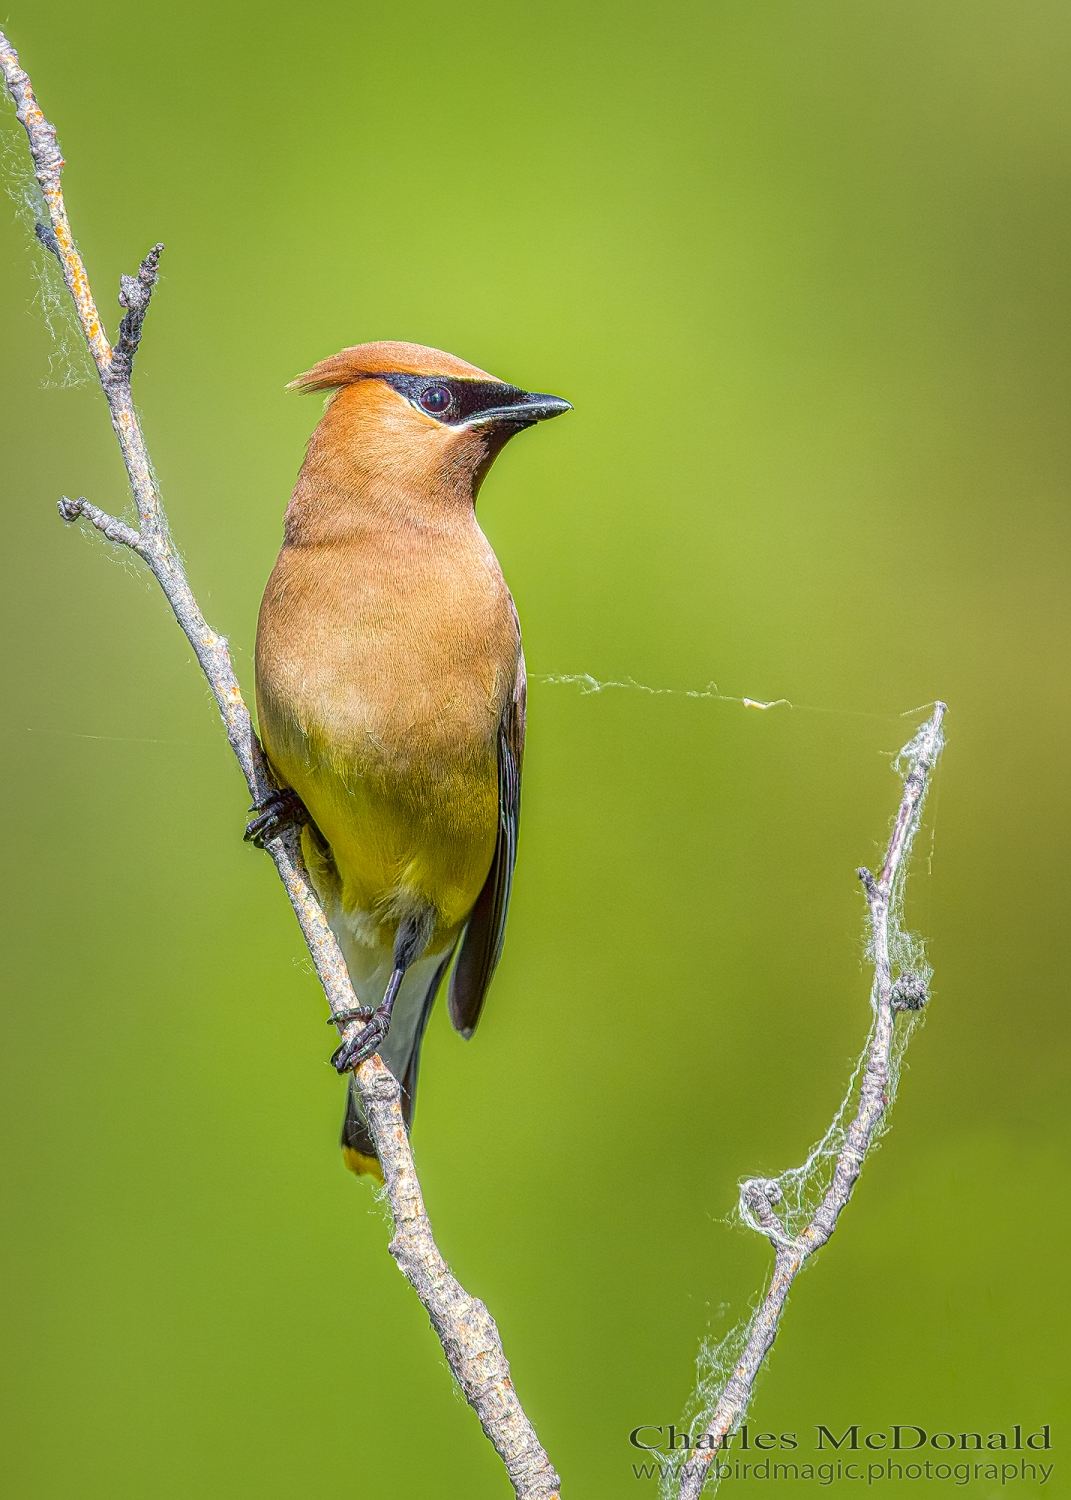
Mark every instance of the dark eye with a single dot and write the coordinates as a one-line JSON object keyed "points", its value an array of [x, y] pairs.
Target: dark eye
{"points": [[436, 399]]}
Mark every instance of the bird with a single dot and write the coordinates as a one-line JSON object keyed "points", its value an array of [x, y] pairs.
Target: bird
{"points": [[391, 693]]}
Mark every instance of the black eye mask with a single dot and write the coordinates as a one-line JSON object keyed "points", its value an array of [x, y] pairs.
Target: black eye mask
{"points": [[455, 402]]}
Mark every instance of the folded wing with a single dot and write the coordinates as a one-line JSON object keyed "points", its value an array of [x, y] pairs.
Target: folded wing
{"points": [[481, 943]]}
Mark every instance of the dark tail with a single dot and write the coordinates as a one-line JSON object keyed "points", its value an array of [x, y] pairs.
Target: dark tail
{"points": [[358, 1148]]}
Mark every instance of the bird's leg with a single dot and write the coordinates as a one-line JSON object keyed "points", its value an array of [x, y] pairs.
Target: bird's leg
{"points": [[276, 811], [374, 1033], [412, 939]]}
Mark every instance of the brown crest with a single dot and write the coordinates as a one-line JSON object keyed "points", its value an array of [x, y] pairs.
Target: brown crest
{"points": [[387, 357]]}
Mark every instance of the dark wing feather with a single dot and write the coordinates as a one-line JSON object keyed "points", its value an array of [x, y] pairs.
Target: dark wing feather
{"points": [[409, 1082], [481, 944]]}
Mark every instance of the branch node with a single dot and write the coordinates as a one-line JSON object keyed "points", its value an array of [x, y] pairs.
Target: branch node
{"points": [[758, 1198], [380, 1085], [70, 510], [909, 992], [134, 295]]}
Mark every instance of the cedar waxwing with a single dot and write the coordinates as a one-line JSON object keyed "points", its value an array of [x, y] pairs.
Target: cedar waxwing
{"points": [[391, 691]]}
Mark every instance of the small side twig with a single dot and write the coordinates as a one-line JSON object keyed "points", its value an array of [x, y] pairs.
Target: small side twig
{"points": [[759, 1197], [466, 1329], [134, 295]]}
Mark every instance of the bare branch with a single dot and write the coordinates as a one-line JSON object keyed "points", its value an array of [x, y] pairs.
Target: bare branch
{"points": [[47, 165], [467, 1331], [759, 1197]]}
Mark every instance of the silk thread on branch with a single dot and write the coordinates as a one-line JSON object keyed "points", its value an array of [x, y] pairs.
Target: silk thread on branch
{"points": [[798, 1211]]}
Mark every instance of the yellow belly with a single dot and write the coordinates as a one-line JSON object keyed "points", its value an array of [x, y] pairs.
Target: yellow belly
{"points": [[400, 834]]}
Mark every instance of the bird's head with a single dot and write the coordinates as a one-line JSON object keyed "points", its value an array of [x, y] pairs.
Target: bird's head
{"points": [[411, 425]]}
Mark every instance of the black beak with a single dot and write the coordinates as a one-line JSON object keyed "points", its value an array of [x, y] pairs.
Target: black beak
{"points": [[532, 407]]}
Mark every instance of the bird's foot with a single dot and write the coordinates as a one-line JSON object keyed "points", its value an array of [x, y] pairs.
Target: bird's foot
{"points": [[367, 1041], [278, 810]]}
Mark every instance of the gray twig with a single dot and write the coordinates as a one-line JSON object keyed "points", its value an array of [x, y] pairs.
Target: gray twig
{"points": [[759, 1196], [134, 294], [467, 1331]]}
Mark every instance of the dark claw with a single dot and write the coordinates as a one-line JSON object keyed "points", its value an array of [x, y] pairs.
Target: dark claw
{"points": [[360, 1013], [364, 1043], [279, 809]]}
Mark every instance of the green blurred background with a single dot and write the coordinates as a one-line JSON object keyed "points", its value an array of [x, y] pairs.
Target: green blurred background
{"points": [[803, 271]]}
